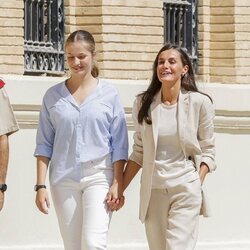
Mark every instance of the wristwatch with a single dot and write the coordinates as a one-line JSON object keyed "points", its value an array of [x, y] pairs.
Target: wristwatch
{"points": [[3, 187], [37, 187]]}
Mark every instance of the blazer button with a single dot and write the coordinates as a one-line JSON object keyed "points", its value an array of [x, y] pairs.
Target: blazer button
{"points": [[190, 157]]}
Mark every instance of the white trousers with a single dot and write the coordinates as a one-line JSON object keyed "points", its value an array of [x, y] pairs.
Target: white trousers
{"points": [[81, 209], [172, 217]]}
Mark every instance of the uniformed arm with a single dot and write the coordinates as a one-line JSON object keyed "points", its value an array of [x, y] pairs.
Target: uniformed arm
{"points": [[4, 158], [7, 117]]}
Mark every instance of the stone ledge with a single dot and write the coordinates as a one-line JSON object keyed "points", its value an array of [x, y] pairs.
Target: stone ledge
{"points": [[225, 122], [231, 100]]}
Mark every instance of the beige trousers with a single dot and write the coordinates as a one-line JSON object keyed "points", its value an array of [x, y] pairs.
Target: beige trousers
{"points": [[172, 217]]}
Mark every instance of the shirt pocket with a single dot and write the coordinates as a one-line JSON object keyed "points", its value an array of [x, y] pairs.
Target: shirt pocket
{"points": [[63, 115], [99, 113]]}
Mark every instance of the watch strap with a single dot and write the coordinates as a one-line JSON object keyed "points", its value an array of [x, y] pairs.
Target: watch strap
{"points": [[37, 187], [3, 187]]}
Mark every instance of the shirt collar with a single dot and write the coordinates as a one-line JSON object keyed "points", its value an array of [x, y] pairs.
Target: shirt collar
{"points": [[95, 94]]}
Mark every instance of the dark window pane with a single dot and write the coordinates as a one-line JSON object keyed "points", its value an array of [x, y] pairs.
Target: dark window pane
{"points": [[43, 36]]}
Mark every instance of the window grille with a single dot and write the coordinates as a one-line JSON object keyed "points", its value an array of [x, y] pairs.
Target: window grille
{"points": [[180, 26], [43, 36]]}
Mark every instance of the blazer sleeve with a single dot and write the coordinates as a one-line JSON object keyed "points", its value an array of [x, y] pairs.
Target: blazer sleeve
{"points": [[206, 133], [137, 154]]}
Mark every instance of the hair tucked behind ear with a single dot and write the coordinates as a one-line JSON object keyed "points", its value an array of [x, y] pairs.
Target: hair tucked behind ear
{"points": [[84, 36], [187, 82]]}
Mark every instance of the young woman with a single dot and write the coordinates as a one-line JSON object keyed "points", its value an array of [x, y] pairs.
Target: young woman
{"points": [[174, 145], [82, 133]]}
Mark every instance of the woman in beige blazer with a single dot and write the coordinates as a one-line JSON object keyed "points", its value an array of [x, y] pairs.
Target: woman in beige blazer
{"points": [[174, 145]]}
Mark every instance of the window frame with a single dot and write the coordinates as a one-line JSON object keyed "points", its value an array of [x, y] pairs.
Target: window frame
{"points": [[43, 37]]}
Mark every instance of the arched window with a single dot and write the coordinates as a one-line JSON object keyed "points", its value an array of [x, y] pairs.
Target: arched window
{"points": [[43, 36]]}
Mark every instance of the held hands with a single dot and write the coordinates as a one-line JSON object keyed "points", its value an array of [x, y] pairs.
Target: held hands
{"points": [[42, 200], [115, 199]]}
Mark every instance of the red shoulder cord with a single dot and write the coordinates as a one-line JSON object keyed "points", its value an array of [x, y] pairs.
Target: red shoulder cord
{"points": [[2, 83]]}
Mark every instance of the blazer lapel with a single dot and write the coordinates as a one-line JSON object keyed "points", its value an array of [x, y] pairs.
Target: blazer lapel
{"points": [[182, 113], [155, 116]]}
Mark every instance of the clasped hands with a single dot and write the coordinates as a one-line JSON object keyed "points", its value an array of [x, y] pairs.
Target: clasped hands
{"points": [[115, 199]]}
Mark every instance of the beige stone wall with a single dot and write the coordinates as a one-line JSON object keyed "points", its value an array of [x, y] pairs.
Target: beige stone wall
{"points": [[242, 41], [224, 41], [128, 33], [222, 45], [11, 37], [216, 40], [204, 39]]}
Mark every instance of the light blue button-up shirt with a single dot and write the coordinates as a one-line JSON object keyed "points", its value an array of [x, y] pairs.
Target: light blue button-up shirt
{"points": [[71, 134]]}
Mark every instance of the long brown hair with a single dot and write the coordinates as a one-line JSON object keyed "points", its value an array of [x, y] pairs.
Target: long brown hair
{"points": [[187, 82], [85, 36]]}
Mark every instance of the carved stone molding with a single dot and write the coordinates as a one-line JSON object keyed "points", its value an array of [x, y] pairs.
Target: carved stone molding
{"points": [[225, 121]]}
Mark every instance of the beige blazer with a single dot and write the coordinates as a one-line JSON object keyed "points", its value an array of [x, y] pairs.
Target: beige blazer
{"points": [[195, 114]]}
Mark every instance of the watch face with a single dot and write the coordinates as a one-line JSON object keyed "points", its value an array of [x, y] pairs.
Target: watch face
{"points": [[3, 187]]}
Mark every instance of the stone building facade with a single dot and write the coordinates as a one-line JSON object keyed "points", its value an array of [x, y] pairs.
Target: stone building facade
{"points": [[129, 33]]}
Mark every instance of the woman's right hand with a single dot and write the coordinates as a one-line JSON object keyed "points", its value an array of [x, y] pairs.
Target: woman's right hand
{"points": [[42, 200]]}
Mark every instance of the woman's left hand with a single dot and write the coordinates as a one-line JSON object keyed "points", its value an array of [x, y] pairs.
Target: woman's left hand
{"points": [[203, 171]]}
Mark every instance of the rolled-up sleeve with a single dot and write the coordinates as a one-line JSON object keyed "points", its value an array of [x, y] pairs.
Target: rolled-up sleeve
{"points": [[137, 154], [206, 134], [119, 133], [45, 134]]}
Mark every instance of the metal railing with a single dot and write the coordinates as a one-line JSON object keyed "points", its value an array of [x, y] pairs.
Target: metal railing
{"points": [[180, 26], [43, 36]]}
